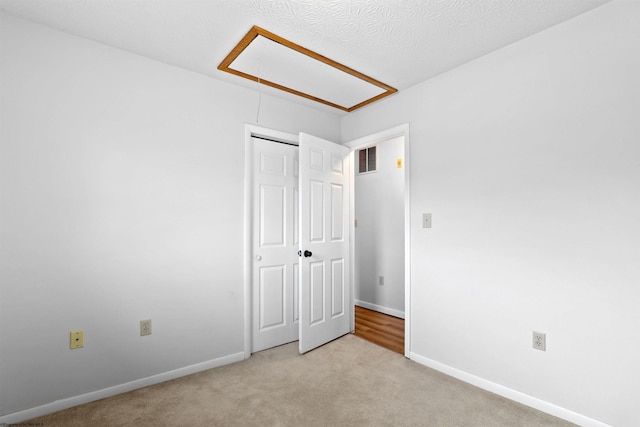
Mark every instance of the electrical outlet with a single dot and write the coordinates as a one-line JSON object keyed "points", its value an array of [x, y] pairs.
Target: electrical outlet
{"points": [[145, 327], [381, 280], [76, 339], [539, 341]]}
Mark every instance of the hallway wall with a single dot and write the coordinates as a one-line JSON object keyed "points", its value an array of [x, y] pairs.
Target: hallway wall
{"points": [[379, 210]]}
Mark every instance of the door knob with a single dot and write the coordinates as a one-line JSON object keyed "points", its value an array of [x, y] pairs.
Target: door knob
{"points": [[306, 254], [258, 258]]}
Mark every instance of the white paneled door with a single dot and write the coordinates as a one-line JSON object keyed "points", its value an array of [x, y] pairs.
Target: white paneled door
{"points": [[300, 245], [325, 291], [275, 244]]}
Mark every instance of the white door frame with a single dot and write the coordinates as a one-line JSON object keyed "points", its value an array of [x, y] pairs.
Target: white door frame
{"points": [[249, 131], [401, 130]]}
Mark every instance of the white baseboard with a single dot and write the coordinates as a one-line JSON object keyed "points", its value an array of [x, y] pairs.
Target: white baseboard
{"points": [[510, 394], [386, 310], [59, 405]]}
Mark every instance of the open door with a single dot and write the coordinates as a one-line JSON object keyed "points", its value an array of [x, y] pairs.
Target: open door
{"points": [[325, 289]]}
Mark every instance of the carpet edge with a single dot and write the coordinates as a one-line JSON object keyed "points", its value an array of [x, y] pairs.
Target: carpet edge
{"points": [[92, 396], [516, 396]]}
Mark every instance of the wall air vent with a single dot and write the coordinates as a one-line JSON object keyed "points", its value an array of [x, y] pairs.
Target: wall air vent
{"points": [[271, 60], [367, 160]]}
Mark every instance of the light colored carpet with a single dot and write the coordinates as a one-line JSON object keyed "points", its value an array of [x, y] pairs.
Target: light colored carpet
{"points": [[348, 382]]}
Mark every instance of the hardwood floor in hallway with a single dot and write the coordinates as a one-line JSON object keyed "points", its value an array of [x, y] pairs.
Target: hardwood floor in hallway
{"points": [[379, 328]]}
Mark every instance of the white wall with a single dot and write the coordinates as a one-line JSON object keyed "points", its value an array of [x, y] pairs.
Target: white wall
{"points": [[379, 210], [121, 200], [529, 160]]}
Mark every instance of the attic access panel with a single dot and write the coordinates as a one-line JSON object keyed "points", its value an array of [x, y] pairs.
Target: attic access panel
{"points": [[269, 59]]}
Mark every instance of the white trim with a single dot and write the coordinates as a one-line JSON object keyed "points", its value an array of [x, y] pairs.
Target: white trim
{"points": [[259, 131], [407, 240], [249, 131], [352, 238], [248, 179], [70, 402], [510, 394], [401, 130], [375, 307]]}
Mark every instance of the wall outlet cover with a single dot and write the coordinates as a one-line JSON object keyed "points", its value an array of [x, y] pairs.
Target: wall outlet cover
{"points": [[539, 341], [426, 220], [76, 339], [145, 327]]}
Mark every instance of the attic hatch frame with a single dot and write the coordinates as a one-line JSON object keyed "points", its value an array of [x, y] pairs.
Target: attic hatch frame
{"points": [[256, 31]]}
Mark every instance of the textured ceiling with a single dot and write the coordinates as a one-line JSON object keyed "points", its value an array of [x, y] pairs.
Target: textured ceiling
{"points": [[398, 42]]}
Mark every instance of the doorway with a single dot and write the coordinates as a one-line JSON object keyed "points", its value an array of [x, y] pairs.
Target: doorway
{"points": [[381, 249], [402, 130], [297, 240]]}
